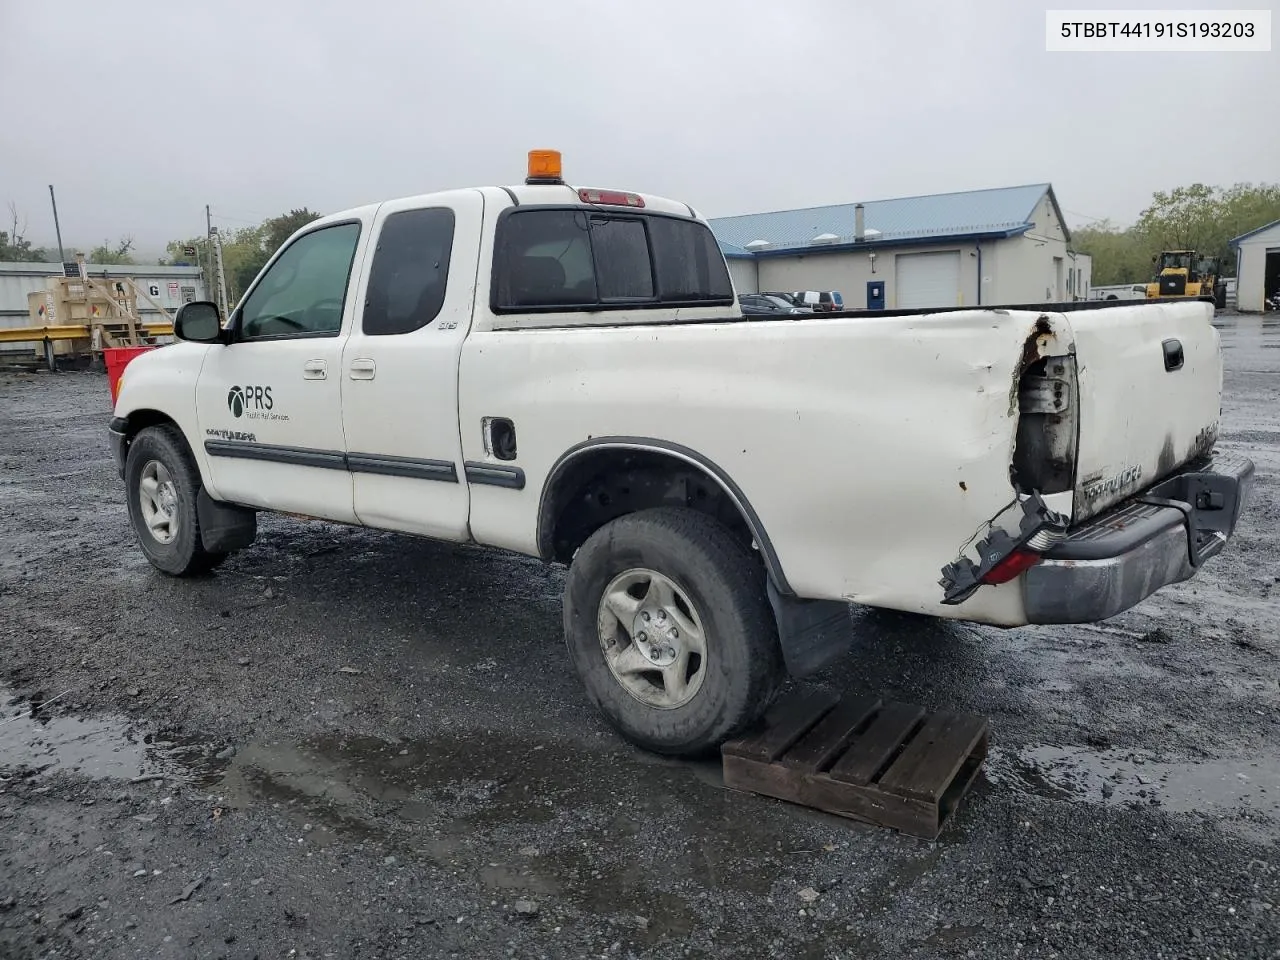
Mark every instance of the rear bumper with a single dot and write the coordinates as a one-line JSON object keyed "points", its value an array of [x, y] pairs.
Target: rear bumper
{"points": [[1120, 558]]}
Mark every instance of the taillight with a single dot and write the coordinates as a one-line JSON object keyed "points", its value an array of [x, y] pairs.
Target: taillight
{"points": [[1012, 566], [1002, 556], [1026, 556]]}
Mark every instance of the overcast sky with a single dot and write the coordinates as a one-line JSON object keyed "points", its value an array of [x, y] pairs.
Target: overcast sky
{"points": [[142, 111]]}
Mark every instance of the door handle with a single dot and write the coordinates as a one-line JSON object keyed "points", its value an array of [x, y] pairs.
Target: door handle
{"points": [[315, 370], [363, 369]]}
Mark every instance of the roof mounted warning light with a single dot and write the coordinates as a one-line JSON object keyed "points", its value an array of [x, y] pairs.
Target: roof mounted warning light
{"points": [[544, 167]]}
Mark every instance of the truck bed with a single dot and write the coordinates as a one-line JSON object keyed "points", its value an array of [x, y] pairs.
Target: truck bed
{"points": [[871, 446]]}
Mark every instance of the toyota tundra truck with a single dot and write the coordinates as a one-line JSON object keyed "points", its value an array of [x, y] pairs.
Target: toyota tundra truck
{"points": [[564, 372]]}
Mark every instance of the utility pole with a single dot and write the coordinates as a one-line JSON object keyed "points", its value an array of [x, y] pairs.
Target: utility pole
{"points": [[223, 307], [208, 243], [62, 257]]}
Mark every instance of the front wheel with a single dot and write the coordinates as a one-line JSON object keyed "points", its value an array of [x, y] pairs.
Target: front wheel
{"points": [[669, 627], [161, 484]]}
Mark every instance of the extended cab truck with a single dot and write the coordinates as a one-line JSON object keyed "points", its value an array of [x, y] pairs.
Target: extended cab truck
{"points": [[565, 373]]}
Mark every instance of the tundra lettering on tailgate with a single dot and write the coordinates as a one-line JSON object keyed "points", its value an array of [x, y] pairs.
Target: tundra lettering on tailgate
{"points": [[1099, 485]]}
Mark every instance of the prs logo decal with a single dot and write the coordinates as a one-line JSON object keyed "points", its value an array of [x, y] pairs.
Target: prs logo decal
{"points": [[252, 403], [240, 399]]}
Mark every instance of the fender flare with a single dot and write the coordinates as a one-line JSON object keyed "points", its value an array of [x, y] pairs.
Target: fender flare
{"points": [[773, 565]]}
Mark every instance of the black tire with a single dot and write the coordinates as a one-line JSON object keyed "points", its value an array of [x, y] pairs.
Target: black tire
{"points": [[724, 582], [1220, 296], [185, 554]]}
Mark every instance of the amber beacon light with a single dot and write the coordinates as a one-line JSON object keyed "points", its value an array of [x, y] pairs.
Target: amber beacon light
{"points": [[544, 167]]}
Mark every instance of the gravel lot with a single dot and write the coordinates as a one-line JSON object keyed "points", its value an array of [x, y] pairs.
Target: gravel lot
{"points": [[363, 745]]}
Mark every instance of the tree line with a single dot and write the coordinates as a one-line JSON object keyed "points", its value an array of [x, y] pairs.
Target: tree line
{"points": [[14, 246], [246, 251], [1196, 217]]}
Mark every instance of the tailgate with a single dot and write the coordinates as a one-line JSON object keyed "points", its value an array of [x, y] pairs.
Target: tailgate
{"points": [[1142, 414]]}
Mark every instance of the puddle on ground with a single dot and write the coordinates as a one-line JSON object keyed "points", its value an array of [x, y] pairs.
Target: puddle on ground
{"points": [[461, 799], [346, 780], [452, 785], [483, 802], [1219, 788], [39, 738]]}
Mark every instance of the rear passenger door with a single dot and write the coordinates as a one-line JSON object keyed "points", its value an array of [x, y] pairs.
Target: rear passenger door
{"points": [[400, 365]]}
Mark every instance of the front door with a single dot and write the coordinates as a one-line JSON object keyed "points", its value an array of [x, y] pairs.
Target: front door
{"points": [[270, 403], [400, 366]]}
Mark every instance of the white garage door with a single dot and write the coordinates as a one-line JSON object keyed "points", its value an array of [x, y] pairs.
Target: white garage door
{"points": [[928, 280], [744, 275]]}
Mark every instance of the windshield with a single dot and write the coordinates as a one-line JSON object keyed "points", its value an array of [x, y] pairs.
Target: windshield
{"points": [[557, 258], [1175, 261]]}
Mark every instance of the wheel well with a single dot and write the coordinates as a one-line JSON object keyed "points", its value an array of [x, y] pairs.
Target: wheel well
{"points": [[139, 420], [588, 489]]}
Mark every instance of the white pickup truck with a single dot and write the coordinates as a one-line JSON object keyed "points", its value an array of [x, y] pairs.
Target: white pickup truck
{"points": [[565, 373]]}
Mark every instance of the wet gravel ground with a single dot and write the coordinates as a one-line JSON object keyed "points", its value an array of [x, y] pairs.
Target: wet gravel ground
{"points": [[354, 744]]}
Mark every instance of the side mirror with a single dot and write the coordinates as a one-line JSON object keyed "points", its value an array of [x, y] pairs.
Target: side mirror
{"points": [[198, 322]]}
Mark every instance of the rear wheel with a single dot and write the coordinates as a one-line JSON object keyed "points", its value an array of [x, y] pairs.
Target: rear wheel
{"points": [[669, 627], [1220, 296], [162, 481]]}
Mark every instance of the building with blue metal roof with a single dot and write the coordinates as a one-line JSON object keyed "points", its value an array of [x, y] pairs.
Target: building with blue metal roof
{"points": [[978, 247], [1257, 266]]}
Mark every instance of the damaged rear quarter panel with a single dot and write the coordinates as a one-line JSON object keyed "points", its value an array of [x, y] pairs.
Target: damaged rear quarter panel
{"points": [[870, 447]]}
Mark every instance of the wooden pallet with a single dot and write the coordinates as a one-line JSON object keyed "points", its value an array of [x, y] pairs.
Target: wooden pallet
{"points": [[890, 764]]}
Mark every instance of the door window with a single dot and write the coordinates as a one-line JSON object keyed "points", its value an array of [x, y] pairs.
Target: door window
{"points": [[410, 268], [303, 292]]}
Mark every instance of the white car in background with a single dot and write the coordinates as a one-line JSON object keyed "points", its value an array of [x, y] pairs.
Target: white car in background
{"points": [[1120, 291]]}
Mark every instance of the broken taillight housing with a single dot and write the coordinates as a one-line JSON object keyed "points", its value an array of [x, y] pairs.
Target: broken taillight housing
{"points": [[1011, 566], [1004, 556]]}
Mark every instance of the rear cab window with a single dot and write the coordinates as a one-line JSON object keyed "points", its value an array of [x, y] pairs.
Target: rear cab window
{"points": [[570, 259]]}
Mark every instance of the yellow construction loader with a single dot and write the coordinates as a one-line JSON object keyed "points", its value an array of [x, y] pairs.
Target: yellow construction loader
{"points": [[1184, 273]]}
